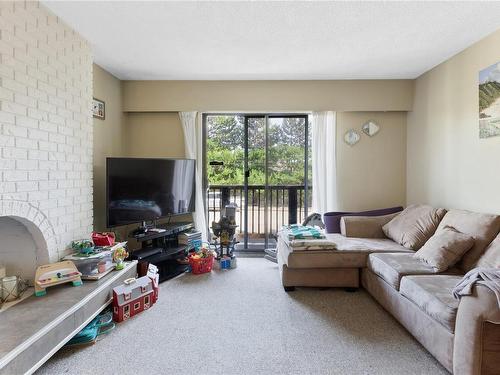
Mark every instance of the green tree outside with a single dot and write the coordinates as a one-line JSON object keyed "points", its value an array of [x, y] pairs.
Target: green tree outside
{"points": [[225, 142]]}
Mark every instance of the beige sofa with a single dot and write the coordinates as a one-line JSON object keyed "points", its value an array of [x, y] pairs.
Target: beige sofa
{"points": [[464, 335]]}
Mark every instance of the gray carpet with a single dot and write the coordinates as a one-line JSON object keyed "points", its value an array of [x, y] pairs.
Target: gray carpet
{"points": [[242, 322]]}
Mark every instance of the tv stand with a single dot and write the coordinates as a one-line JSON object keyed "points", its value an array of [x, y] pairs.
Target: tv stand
{"points": [[161, 248]]}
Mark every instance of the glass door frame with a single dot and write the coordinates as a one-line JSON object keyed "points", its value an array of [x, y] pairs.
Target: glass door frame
{"points": [[266, 117]]}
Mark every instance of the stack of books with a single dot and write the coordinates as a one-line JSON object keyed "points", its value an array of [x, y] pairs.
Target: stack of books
{"points": [[191, 239]]}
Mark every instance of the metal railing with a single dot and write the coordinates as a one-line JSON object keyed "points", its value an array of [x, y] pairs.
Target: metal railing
{"points": [[286, 205]]}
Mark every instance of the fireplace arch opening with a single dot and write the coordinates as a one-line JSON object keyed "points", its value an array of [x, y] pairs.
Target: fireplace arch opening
{"points": [[27, 239]]}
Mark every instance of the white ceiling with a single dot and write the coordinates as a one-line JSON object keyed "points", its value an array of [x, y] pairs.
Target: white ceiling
{"points": [[276, 40]]}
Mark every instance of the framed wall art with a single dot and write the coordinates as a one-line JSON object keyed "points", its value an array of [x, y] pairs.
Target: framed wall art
{"points": [[98, 109], [489, 101]]}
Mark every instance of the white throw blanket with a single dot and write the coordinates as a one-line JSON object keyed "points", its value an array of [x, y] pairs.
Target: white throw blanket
{"points": [[490, 277]]}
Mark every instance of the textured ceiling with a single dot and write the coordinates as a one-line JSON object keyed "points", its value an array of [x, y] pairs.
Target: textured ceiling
{"points": [[276, 40]]}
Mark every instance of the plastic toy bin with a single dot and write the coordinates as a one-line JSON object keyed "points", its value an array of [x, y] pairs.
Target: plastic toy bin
{"points": [[201, 265], [90, 266]]}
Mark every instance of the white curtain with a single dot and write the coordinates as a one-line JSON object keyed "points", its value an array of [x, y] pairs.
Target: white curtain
{"points": [[193, 136], [324, 171]]}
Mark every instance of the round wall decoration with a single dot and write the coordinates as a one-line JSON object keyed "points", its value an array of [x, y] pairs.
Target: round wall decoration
{"points": [[351, 137]]}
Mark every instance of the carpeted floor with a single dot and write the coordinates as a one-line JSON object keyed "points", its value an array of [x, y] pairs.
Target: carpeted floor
{"points": [[242, 322]]}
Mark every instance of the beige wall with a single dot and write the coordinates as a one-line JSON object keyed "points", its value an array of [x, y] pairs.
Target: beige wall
{"points": [[360, 95], [378, 162], [448, 165], [372, 173], [154, 135], [108, 137]]}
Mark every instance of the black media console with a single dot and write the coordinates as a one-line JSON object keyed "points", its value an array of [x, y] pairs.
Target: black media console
{"points": [[161, 248]]}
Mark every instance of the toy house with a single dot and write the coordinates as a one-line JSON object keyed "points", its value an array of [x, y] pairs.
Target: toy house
{"points": [[133, 297]]}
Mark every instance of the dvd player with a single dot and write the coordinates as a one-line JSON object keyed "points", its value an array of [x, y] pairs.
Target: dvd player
{"points": [[145, 253]]}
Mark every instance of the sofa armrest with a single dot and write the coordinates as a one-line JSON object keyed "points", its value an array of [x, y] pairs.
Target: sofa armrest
{"points": [[476, 349], [364, 226]]}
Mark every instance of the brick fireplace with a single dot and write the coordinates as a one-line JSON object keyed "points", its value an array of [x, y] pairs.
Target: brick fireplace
{"points": [[45, 137]]}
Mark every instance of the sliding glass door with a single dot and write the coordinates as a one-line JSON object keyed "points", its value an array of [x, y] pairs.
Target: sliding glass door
{"points": [[261, 163]]}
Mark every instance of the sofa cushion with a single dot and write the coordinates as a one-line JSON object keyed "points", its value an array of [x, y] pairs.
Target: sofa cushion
{"points": [[444, 248], [491, 256], [349, 253], [332, 219], [392, 267], [414, 226], [364, 226], [483, 227], [433, 295]]}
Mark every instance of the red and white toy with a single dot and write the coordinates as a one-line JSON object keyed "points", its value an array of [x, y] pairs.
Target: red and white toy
{"points": [[135, 295], [153, 275]]}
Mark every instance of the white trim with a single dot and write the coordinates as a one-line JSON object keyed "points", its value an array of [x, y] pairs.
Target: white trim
{"points": [[69, 337], [46, 329]]}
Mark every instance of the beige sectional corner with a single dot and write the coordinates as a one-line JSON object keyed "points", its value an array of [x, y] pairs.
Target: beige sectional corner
{"points": [[463, 335], [339, 268]]}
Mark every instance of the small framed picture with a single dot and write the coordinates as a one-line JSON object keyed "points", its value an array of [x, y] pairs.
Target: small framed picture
{"points": [[98, 109]]}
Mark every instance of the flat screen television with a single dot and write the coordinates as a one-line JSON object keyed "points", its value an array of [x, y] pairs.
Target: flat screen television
{"points": [[148, 189]]}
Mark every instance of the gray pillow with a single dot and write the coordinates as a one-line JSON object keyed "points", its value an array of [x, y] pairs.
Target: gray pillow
{"points": [[414, 225], [445, 248], [483, 227], [491, 257]]}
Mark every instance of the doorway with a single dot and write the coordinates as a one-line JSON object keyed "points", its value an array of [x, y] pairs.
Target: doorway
{"points": [[260, 162]]}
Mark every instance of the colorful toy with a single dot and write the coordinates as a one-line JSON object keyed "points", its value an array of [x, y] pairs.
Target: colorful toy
{"points": [[101, 324], [133, 297], [103, 238], [119, 256], [202, 261], [224, 232], [55, 274], [85, 247], [155, 277], [226, 262]]}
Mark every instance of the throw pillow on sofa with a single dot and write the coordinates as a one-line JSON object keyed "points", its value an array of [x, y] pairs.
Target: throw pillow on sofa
{"points": [[491, 257], [483, 227], [414, 226], [445, 248]]}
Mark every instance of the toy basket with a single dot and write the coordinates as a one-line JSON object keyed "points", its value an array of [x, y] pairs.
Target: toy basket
{"points": [[103, 239], [201, 265]]}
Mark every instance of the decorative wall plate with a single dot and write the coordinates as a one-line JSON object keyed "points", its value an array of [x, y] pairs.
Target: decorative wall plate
{"points": [[370, 128], [351, 137]]}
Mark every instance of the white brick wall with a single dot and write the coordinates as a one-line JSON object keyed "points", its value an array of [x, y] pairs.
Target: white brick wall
{"points": [[45, 125]]}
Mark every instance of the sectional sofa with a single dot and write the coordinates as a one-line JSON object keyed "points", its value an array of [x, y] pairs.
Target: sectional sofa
{"points": [[463, 335]]}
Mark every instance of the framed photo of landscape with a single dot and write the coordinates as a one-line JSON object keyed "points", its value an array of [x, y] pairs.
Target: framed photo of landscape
{"points": [[489, 101], [98, 109]]}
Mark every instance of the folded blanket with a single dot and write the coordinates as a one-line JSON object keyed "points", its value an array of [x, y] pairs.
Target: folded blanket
{"points": [[312, 244], [299, 232], [489, 277], [315, 240]]}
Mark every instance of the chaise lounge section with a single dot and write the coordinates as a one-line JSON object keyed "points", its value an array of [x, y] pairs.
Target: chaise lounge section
{"points": [[338, 268], [463, 335]]}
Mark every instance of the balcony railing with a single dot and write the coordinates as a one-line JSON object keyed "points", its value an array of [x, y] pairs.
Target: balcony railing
{"points": [[286, 205]]}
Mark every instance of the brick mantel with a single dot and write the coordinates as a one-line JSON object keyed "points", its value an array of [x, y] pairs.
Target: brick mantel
{"points": [[45, 125]]}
